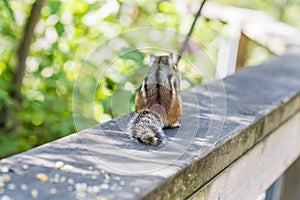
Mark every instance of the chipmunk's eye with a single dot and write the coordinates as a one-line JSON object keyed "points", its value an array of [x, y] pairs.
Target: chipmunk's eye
{"points": [[174, 67]]}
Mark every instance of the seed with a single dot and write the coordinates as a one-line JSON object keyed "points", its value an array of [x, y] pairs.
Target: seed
{"points": [[106, 176], [11, 186], [94, 177], [81, 187], [136, 190], [89, 189], [62, 179], [4, 169], [71, 181], [34, 193], [19, 160], [53, 190], [96, 189], [42, 177], [77, 186], [25, 167], [5, 197], [104, 186], [1, 184], [59, 164], [68, 167], [23, 187], [6, 178]]}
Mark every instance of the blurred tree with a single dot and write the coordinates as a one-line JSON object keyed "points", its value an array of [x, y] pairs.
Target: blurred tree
{"points": [[22, 54], [23, 50], [44, 46]]}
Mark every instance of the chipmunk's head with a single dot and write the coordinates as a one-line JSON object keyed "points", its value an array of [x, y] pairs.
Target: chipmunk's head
{"points": [[163, 60]]}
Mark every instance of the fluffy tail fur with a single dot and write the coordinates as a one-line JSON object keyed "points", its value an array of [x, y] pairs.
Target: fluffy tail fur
{"points": [[146, 126]]}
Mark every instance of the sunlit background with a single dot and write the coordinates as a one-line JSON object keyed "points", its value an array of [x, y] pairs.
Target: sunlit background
{"points": [[69, 30]]}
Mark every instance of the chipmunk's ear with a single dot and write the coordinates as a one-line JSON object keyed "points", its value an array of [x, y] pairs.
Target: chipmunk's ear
{"points": [[171, 59], [152, 58]]}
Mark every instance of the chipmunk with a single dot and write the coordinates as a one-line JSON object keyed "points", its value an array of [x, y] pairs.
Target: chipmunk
{"points": [[158, 101]]}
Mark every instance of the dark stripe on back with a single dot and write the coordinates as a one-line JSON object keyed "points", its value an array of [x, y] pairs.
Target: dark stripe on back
{"points": [[145, 85], [158, 93], [157, 81]]}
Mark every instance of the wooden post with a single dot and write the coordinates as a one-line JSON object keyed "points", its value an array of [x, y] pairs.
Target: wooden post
{"points": [[242, 51], [291, 182], [228, 53]]}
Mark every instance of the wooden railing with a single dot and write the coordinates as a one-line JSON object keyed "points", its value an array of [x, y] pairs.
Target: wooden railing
{"points": [[237, 156], [238, 137]]}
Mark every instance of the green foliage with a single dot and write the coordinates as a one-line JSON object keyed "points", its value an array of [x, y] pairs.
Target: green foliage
{"points": [[66, 33]]}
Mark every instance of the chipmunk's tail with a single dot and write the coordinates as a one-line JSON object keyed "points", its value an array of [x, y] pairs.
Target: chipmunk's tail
{"points": [[146, 126]]}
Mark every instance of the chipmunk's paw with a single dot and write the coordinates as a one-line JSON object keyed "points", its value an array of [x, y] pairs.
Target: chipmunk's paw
{"points": [[175, 125]]}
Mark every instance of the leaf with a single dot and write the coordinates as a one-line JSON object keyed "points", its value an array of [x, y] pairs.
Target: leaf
{"points": [[59, 28], [54, 6], [110, 84], [10, 11], [166, 7]]}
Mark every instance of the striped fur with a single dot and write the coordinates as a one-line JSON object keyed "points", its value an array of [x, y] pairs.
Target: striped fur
{"points": [[159, 94], [146, 126]]}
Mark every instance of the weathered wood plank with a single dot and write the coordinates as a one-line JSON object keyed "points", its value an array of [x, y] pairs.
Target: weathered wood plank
{"points": [[221, 121], [254, 173]]}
